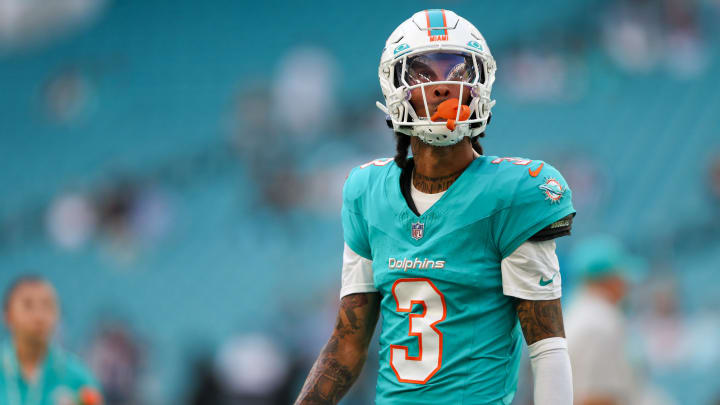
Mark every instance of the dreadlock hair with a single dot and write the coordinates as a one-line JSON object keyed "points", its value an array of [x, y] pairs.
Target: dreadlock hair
{"points": [[476, 145], [403, 144]]}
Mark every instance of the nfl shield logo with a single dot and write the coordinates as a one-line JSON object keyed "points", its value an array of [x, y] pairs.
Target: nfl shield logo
{"points": [[417, 230]]}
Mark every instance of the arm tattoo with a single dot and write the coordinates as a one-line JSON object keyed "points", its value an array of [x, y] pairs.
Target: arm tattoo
{"points": [[540, 319], [342, 358]]}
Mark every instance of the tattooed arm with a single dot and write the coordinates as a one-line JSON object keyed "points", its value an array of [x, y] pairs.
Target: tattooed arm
{"points": [[540, 319], [542, 325], [342, 358]]}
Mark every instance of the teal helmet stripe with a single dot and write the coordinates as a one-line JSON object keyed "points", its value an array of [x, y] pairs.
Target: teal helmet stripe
{"points": [[436, 18]]}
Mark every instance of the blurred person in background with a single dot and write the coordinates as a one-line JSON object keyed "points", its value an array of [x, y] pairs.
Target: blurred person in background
{"points": [[116, 358], [662, 328], [205, 388], [248, 369], [253, 369], [35, 372], [452, 274], [596, 328]]}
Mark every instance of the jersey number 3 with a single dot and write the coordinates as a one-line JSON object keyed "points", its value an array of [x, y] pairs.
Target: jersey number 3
{"points": [[419, 369]]}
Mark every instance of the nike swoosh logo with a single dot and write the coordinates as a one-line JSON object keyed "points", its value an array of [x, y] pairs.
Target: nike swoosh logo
{"points": [[543, 282], [534, 173]]}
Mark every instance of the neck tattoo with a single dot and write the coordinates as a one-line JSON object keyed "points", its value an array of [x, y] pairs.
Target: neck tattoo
{"points": [[432, 185]]}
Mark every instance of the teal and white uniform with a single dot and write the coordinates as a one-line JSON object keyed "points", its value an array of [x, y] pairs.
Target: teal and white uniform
{"points": [[61, 378], [450, 333]]}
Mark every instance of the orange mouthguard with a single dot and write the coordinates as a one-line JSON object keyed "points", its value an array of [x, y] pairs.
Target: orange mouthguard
{"points": [[448, 110]]}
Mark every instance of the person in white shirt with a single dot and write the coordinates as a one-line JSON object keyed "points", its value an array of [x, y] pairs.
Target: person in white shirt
{"points": [[595, 327]]}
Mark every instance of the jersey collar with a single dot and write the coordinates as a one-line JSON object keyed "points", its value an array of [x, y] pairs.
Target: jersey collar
{"points": [[401, 200]]}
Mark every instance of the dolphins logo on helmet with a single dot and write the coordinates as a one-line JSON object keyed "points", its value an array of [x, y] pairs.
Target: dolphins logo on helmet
{"points": [[428, 33]]}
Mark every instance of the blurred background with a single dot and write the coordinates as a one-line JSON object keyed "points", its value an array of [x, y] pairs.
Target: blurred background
{"points": [[175, 169]]}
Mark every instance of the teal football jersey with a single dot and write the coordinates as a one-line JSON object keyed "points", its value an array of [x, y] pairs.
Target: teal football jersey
{"points": [[449, 335], [61, 379]]}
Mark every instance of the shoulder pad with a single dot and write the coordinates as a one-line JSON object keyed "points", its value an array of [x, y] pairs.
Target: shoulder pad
{"points": [[541, 181], [534, 196], [525, 181], [362, 176]]}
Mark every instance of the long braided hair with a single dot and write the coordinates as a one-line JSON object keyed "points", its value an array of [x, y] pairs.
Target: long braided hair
{"points": [[403, 145]]}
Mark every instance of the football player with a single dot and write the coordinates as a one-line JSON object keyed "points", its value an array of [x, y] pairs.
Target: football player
{"points": [[455, 249]]}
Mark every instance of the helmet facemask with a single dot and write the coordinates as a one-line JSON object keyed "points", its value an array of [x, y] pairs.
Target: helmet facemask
{"points": [[464, 76]]}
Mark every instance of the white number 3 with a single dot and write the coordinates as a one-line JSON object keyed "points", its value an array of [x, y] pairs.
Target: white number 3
{"points": [[419, 369]]}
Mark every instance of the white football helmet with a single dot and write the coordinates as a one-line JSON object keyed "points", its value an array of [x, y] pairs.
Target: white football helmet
{"points": [[434, 35]]}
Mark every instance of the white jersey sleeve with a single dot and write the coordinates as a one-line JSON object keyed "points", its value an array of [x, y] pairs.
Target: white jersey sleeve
{"points": [[532, 272], [357, 274]]}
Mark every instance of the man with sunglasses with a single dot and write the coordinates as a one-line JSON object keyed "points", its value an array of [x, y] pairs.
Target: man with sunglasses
{"points": [[454, 248]]}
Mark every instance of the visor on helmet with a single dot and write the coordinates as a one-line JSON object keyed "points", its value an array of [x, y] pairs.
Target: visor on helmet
{"points": [[438, 66]]}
